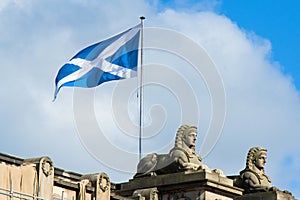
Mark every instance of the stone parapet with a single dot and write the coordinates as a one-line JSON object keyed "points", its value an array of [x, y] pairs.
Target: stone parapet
{"points": [[189, 185], [37, 178], [272, 195]]}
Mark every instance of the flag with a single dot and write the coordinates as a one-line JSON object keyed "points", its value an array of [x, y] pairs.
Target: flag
{"points": [[112, 59]]}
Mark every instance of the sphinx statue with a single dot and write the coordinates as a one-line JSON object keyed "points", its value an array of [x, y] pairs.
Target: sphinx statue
{"points": [[181, 157], [253, 177]]}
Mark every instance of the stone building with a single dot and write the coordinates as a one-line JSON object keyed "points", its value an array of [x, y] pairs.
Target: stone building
{"points": [[178, 175], [38, 179]]}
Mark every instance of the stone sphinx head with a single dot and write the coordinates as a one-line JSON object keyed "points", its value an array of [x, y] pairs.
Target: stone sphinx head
{"points": [[186, 137], [256, 159]]}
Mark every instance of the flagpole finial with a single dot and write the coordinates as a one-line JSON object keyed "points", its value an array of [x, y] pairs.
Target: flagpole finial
{"points": [[142, 17]]}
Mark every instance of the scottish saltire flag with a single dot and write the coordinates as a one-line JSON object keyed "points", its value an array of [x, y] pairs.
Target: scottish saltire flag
{"points": [[112, 59]]}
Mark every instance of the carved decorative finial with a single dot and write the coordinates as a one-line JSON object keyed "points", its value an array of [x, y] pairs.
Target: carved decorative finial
{"points": [[47, 166], [104, 182]]}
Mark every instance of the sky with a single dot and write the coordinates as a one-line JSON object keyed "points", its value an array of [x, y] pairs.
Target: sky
{"points": [[229, 67]]}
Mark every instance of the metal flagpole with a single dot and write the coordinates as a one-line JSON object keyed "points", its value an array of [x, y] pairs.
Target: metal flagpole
{"points": [[141, 119]]}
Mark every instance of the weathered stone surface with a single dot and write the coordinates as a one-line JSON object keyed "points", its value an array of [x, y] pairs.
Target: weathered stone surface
{"points": [[38, 177], [253, 177], [146, 194], [4, 179], [271, 195], [212, 196], [101, 183], [45, 175], [29, 179], [182, 156], [189, 184]]}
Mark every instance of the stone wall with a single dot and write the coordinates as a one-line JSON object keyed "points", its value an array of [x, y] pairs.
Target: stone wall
{"points": [[37, 177]]}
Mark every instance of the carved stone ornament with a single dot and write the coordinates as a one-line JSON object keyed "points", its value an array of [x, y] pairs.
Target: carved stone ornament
{"points": [[148, 193], [47, 166], [181, 157], [103, 177]]}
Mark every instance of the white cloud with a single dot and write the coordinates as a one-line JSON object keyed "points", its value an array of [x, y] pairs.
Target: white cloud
{"points": [[4, 4], [262, 103]]}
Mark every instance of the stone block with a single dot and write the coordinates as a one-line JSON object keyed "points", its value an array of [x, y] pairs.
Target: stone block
{"points": [[272, 195]]}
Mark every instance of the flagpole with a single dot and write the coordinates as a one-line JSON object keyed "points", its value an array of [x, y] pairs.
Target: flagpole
{"points": [[141, 119]]}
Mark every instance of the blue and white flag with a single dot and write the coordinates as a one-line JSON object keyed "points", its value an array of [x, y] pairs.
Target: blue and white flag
{"points": [[112, 59]]}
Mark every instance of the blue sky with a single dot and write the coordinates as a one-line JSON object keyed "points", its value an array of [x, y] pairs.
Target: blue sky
{"points": [[254, 47], [278, 21]]}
